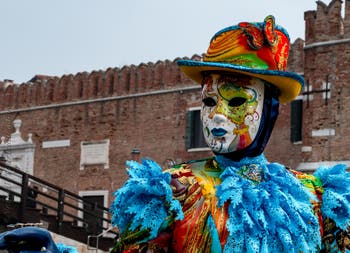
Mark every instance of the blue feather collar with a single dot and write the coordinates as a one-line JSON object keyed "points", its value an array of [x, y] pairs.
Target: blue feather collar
{"points": [[269, 209]]}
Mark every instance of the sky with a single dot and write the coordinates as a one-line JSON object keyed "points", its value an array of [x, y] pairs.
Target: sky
{"points": [[46, 37]]}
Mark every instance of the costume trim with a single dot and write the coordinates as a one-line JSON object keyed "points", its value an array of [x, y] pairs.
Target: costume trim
{"points": [[145, 201], [273, 215], [336, 195]]}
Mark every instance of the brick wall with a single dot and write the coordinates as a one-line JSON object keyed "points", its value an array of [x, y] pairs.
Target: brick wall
{"points": [[137, 106], [324, 23], [327, 59]]}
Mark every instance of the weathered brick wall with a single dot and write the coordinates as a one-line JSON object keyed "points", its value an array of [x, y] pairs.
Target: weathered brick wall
{"points": [[296, 57], [327, 59], [333, 62], [347, 19], [116, 104], [325, 23], [279, 148]]}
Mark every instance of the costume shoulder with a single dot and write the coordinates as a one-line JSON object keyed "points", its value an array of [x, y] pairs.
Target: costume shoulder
{"points": [[335, 207], [144, 204], [332, 187], [336, 194]]}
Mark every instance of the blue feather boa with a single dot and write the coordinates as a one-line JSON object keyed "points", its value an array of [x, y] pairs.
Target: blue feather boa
{"points": [[336, 195], [274, 215], [62, 248], [145, 201]]}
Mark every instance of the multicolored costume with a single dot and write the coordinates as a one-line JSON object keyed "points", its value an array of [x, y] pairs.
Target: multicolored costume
{"points": [[236, 201], [227, 206]]}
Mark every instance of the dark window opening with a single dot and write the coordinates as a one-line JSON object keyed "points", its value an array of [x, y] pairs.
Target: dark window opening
{"points": [[296, 114], [93, 214], [194, 130]]}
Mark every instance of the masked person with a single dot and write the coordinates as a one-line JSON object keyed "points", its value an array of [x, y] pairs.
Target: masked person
{"points": [[236, 201]]}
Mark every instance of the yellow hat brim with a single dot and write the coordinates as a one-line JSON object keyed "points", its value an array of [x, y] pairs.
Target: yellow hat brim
{"points": [[288, 83]]}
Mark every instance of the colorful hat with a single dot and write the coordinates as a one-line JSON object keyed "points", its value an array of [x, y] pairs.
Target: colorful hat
{"points": [[254, 49]]}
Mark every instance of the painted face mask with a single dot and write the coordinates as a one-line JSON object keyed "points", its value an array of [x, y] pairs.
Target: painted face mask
{"points": [[231, 111]]}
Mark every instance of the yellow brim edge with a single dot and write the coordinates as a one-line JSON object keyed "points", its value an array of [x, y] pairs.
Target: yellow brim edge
{"points": [[289, 87]]}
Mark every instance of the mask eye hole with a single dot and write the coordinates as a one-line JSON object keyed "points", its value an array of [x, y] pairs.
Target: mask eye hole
{"points": [[237, 101], [209, 101]]}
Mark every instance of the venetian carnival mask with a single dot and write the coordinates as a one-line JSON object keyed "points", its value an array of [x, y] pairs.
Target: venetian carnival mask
{"points": [[231, 110]]}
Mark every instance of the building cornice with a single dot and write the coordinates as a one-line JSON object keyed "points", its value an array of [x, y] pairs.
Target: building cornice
{"points": [[105, 99], [326, 43]]}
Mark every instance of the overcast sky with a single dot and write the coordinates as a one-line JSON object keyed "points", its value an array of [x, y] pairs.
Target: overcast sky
{"points": [[70, 36]]}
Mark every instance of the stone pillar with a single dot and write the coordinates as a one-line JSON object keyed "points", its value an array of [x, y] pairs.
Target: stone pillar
{"points": [[17, 153]]}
